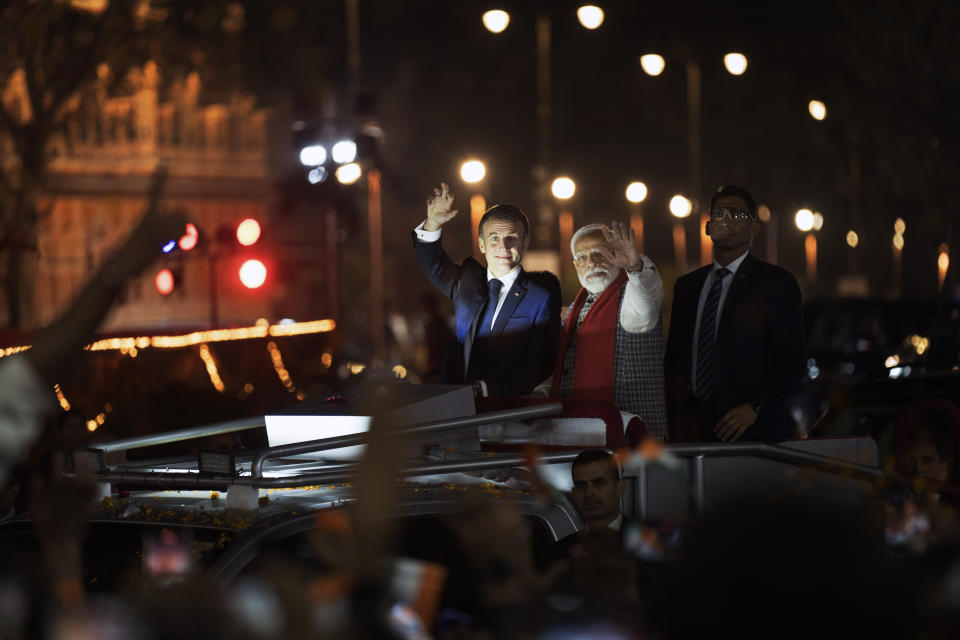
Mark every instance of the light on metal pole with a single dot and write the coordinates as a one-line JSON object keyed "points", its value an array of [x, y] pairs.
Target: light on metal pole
{"points": [[680, 208], [943, 263], [736, 63], [496, 20], [804, 220], [473, 173], [853, 240], [563, 189], [899, 228], [636, 193], [897, 263], [590, 16]]}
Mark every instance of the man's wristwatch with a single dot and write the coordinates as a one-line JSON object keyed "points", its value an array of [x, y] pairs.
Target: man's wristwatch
{"points": [[636, 269]]}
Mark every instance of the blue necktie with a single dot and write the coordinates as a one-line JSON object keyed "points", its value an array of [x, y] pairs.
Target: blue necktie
{"points": [[493, 298], [708, 336]]}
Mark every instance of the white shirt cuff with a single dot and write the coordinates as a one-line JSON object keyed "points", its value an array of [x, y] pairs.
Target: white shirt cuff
{"points": [[426, 236]]}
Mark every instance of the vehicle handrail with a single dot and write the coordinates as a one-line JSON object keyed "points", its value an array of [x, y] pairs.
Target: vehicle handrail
{"points": [[180, 480], [346, 472], [771, 452], [427, 428], [215, 429]]}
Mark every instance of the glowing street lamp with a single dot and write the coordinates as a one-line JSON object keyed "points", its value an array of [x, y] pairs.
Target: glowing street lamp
{"points": [[899, 226], [852, 239], [680, 206], [652, 64], [590, 16], [313, 155], [496, 20], [349, 173], [472, 171], [817, 109], [344, 151], [563, 188], [804, 219], [736, 63], [636, 192]]}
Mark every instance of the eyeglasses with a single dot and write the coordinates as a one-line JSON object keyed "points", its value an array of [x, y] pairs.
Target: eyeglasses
{"points": [[582, 257], [734, 213]]}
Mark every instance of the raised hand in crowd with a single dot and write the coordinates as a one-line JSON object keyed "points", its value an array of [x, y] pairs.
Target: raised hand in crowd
{"points": [[621, 249], [439, 210]]}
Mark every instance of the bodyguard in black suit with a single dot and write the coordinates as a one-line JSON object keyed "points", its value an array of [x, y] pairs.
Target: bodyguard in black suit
{"points": [[508, 320], [736, 344]]}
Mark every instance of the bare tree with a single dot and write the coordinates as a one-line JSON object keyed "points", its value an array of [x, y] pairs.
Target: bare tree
{"points": [[52, 49]]}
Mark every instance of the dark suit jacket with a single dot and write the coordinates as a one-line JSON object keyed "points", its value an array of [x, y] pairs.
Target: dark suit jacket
{"points": [[759, 353], [520, 352]]}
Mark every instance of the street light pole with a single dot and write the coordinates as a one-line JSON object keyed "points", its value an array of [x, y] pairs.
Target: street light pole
{"points": [[544, 231], [374, 210]]}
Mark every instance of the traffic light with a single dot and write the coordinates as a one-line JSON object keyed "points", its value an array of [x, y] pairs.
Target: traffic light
{"points": [[252, 271], [186, 242], [164, 281], [248, 232], [189, 239]]}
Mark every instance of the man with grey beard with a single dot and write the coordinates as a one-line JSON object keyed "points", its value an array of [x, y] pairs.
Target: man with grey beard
{"points": [[612, 346]]}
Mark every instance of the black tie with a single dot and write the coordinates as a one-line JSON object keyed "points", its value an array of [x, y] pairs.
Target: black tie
{"points": [[493, 298], [708, 336]]}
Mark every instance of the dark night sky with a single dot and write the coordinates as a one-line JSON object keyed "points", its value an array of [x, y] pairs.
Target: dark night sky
{"points": [[888, 72]]}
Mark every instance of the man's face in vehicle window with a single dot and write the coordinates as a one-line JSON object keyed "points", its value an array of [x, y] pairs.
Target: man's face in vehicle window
{"points": [[597, 492]]}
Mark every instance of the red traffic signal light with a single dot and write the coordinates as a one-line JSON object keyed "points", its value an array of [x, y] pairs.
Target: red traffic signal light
{"points": [[248, 232], [164, 281], [189, 239]]}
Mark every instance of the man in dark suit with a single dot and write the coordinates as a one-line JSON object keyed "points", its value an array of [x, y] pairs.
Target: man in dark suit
{"points": [[507, 320], [736, 345]]}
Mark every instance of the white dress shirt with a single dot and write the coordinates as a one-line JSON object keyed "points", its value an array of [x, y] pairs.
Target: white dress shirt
{"points": [[704, 291], [642, 299], [507, 279]]}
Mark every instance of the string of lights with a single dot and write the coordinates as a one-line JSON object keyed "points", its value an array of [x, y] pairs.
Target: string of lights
{"points": [[130, 345]]}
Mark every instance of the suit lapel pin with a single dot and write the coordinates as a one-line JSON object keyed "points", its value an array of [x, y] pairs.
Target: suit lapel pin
{"points": [[516, 293]]}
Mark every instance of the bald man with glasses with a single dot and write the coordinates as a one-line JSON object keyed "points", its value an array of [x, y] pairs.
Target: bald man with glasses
{"points": [[735, 347]]}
